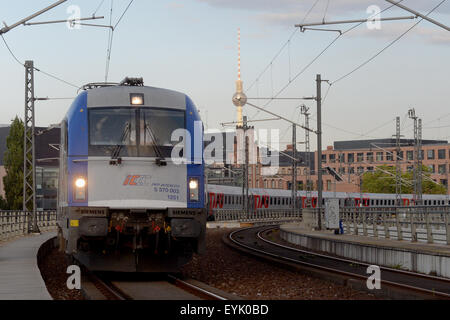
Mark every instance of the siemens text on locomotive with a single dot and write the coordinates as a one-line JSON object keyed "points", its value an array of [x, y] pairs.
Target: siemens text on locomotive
{"points": [[123, 203]]}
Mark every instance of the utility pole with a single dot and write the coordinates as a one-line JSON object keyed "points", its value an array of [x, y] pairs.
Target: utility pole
{"points": [[417, 156], [419, 162], [29, 169], [398, 170], [304, 111], [294, 167], [319, 149], [245, 128]]}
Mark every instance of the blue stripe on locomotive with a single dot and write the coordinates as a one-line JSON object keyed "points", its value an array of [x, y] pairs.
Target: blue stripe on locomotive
{"points": [[196, 168], [77, 126]]}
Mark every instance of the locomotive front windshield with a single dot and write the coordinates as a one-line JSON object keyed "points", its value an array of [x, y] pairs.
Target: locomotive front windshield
{"points": [[140, 132]]}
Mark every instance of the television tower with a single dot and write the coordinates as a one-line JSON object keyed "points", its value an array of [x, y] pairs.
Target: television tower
{"points": [[239, 98]]}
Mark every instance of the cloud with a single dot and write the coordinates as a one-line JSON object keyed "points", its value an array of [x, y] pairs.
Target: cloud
{"points": [[390, 30], [287, 13], [335, 7], [175, 5]]}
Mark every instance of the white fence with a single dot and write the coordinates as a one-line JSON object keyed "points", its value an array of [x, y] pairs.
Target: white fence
{"points": [[17, 223], [417, 224]]}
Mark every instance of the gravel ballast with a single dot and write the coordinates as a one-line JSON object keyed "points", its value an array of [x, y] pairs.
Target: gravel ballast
{"points": [[225, 269], [228, 270]]}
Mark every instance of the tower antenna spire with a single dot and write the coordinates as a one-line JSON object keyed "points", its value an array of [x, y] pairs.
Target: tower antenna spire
{"points": [[239, 98], [239, 54]]}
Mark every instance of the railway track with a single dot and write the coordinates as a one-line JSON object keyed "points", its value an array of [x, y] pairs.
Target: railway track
{"points": [[394, 283], [164, 287]]}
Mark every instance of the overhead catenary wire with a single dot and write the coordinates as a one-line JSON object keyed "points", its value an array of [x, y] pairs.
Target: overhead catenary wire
{"points": [[99, 6], [386, 47], [35, 68], [111, 35], [317, 57], [282, 48]]}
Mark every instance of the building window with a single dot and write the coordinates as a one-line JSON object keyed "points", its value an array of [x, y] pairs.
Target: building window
{"points": [[273, 184], [409, 155], [351, 170], [350, 157], [332, 158], [328, 185], [341, 158], [430, 154], [369, 156], [409, 168], [342, 170], [369, 168], [441, 154], [324, 158], [400, 155], [379, 156], [389, 156], [431, 167], [360, 170], [442, 169], [360, 157], [444, 182]]}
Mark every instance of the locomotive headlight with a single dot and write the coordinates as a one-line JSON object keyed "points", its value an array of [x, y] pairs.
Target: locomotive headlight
{"points": [[136, 99], [80, 183], [80, 189], [193, 184], [193, 189]]}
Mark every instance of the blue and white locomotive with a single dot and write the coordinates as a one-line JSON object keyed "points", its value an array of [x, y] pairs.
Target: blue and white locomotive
{"points": [[126, 202]]}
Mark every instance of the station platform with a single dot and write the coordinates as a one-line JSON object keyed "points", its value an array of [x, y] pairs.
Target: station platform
{"points": [[433, 259], [20, 278]]}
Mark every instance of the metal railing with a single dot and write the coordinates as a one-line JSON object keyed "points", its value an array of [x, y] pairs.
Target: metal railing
{"points": [[17, 223], [258, 215], [429, 224]]}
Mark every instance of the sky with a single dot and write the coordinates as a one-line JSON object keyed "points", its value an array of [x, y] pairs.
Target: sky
{"points": [[191, 46]]}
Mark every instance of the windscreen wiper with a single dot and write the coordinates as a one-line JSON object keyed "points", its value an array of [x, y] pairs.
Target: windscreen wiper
{"points": [[160, 160], [116, 151]]}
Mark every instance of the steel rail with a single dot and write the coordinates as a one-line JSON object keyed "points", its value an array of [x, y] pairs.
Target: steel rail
{"points": [[410, 273], [332, 270], [182, 283]]}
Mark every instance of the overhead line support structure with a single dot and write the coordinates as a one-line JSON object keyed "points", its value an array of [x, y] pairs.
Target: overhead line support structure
{"points": [[418, 14], [324, 23], [242, 99], [29, 169]]}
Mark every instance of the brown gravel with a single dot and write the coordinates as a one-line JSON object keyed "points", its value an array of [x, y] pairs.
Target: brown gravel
{"points": [[53, 269], [226, 269]]}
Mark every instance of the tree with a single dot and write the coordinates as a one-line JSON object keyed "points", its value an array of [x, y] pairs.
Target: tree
{"points": [[379, 181], [3, 204], [13, 161]]}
